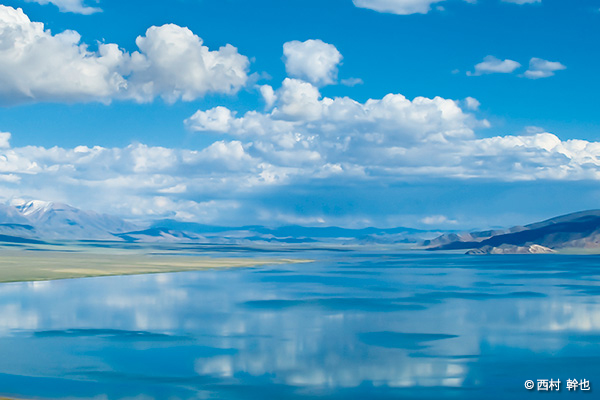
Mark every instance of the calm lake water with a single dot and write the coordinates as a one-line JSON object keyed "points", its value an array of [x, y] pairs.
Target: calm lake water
{"points": [[350, 326]]}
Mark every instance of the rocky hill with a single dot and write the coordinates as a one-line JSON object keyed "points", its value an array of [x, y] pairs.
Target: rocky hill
{"points": [[576, 230]]}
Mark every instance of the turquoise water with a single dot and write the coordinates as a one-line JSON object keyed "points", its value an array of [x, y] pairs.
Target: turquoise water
{"points": [[350, 326]]}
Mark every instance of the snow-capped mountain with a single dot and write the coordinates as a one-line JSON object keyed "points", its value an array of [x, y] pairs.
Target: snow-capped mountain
{"points": [[51, 220], [39, 220], [12, 215]]}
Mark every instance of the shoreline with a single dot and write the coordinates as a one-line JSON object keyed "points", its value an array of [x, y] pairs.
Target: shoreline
{"points": [[20, 266]]}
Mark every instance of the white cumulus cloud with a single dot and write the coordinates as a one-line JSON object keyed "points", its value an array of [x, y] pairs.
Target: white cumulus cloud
{"points": [[39, 66], [210, 183], [394, 136], [217, 119], [304, 128], [492, 65], [36, 65], [74, 6], [313, 60], [539, 68], [304, 139], [174, 63]]}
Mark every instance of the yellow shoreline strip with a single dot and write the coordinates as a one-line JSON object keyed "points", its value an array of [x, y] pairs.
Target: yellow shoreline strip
{"points": [[20, 266]]}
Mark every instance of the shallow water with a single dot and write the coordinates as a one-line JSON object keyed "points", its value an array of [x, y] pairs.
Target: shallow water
{"points": [[349, 326]]}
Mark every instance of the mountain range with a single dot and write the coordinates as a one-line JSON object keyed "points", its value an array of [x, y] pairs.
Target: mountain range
{"points": [[41, 221], [37, 221]]}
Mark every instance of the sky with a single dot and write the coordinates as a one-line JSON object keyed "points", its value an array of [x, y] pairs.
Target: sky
{"points": [[435, 114]]}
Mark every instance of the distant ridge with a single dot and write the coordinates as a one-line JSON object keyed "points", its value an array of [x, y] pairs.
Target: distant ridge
{"points": [[296, 231], [37, 220], [17, 239], [575, 230]]}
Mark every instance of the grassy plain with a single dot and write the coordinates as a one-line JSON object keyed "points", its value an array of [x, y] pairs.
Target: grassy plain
{"points": [[43, 263]]}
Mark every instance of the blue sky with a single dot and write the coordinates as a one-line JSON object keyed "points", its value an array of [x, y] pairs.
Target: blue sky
{"points": [[451, 114]]}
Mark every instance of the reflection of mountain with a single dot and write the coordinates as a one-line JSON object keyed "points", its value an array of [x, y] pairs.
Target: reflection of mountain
{"points": [[577, 230]]}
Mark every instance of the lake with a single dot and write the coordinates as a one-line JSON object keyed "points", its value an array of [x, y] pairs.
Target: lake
{"points": [[351, 325]]}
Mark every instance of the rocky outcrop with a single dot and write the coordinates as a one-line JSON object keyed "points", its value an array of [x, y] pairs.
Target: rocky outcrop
{"points": [[510, 249]]}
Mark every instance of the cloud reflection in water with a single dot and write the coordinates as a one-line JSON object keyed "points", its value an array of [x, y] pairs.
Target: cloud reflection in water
{"points": [[359, 326]]}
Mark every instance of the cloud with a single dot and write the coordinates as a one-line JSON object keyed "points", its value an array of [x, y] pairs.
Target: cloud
{"points": [[318, 137], [400, 7], [128, 180], [299, 100], [306, 145], [492, 65], [252, 177], [268, 95], [534, 129], [522, 1], [438, 220], [407, 7], [4, 140], [539, 68], [174, 64], [303, 128], [217, 119], [313, 61], [351, 82], [38, 66], [74, 6], [472, 104]]}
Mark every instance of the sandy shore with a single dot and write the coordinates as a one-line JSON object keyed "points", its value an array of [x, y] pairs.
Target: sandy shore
{"points": [[21, 266]]}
